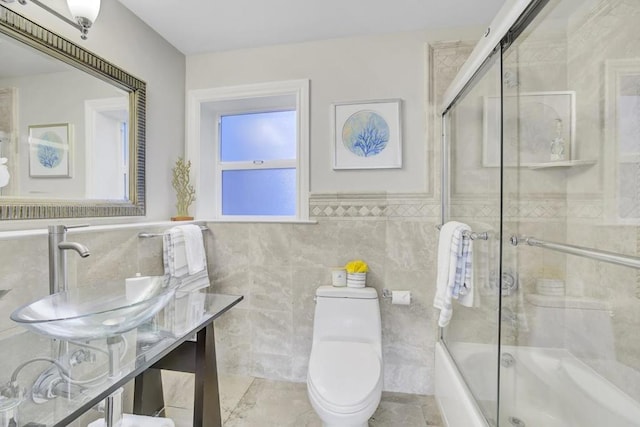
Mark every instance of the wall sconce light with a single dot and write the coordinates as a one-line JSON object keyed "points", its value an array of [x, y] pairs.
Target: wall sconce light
{"points": [[84, 13]]}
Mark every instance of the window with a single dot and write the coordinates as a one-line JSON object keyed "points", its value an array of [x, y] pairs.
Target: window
{"points": [[250, 145], [257, 164]]}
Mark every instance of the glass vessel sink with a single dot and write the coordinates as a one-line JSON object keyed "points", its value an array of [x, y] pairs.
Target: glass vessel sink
{"points": [[94, 312]]}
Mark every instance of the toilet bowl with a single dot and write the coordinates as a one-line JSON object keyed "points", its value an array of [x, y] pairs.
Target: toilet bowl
{"points": [[344, 380]]}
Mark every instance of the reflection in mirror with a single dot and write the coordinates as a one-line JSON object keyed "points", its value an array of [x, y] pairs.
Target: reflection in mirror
{"points": [[65, 132], [71, 128]]}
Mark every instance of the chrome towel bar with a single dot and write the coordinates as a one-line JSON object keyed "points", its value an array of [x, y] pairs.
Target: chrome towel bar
{"points": [[144, 235], [471, 234], [610, 257]]}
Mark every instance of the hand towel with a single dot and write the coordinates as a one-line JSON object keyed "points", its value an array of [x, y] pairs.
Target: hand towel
{"points": [[174, 256], [464, 289], [194, 247], [129, 420], [176, 265], [451, 266]]}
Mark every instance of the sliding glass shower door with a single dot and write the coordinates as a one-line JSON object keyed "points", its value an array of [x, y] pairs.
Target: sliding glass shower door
{"points": [[472, 128], [571, 137]]}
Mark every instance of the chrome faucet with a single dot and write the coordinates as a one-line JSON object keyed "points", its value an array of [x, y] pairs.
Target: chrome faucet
{"points": [[58, 246], [82, 250]]}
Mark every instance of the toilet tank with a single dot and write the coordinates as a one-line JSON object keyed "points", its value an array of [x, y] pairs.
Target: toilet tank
{"points": [[347, 314]]}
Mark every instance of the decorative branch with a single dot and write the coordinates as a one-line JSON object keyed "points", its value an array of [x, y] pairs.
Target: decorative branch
{"points": [[185, 192]]}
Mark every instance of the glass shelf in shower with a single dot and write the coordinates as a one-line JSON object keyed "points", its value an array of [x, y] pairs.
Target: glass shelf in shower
{"points": [[561, 164]]}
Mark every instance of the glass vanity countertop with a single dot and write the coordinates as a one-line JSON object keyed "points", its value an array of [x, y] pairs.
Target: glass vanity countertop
{"points": [[139, 348]]}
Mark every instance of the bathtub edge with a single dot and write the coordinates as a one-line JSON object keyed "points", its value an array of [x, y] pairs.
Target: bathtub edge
{"points": [[456, 404]]}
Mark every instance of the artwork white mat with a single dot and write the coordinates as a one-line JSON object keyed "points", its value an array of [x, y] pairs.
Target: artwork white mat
{"points": [[367, 134], [530, 124], [49, 147]]}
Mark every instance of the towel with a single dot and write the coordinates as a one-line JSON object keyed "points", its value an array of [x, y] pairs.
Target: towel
{"points": [[463, 288], [194, 247], [176, 257], [463, 268], [455, 270], [487, 262], [137, 421]]}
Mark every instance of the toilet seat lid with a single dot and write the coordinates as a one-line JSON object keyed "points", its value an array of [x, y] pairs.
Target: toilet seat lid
{"points": [[343, 373]]}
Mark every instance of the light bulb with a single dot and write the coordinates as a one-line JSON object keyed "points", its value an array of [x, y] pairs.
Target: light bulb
{"points": [[84, 10]]}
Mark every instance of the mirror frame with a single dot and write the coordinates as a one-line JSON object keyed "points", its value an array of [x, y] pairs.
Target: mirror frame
{"points": [[33, 35]]}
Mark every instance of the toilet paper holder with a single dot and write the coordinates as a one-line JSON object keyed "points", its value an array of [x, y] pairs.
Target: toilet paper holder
{"points": [[397, 297]]}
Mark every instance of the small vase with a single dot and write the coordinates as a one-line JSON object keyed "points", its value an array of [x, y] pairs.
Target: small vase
{"points": [[356, 280]]}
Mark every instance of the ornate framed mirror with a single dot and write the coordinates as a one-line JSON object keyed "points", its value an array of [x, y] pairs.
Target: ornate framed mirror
{"points": [[72, 128]]}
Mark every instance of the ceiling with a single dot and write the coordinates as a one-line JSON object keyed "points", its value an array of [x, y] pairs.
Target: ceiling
{"points": [[198, 26]]}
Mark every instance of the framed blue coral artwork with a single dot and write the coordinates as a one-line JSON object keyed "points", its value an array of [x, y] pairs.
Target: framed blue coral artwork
{"points": [[49, 151], [367, 134]]}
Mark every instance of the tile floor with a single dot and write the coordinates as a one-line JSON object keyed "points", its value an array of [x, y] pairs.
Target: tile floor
{"points": [[249, 402]]}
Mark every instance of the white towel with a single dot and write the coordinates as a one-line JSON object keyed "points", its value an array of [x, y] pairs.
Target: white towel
{"points": [[176, 260], [455, 270], [194, 247], [129, 420], [464, 286], [175, 257]]}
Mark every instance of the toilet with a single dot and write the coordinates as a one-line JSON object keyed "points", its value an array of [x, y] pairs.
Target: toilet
{"points": [[344, 381]]}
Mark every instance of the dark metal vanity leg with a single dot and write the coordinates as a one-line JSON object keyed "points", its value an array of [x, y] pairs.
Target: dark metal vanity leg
{"points": [[147, 394], [206, 408]]}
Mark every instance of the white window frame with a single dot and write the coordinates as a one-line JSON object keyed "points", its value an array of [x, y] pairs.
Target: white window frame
{"points": [[204, 109]]}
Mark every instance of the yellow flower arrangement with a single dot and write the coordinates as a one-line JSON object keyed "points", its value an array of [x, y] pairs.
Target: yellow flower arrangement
{"points": [[356, 266]]}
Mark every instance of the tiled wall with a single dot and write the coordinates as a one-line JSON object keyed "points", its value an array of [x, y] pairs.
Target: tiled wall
{"points": [[277, 267]]}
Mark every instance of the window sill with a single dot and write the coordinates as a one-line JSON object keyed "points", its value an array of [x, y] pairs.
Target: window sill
{"points": [[259, 221]]}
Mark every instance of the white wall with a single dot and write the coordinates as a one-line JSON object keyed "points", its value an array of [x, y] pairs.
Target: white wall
{"points": [[121, 38], [347, 69]]}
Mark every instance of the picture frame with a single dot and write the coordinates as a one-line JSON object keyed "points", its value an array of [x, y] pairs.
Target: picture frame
{"points": [[532, 121], [49, 150], [367, 134]]}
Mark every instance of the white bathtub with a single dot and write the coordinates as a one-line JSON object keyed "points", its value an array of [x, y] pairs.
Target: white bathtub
{"points": [[457, 405], [543, 387]]}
